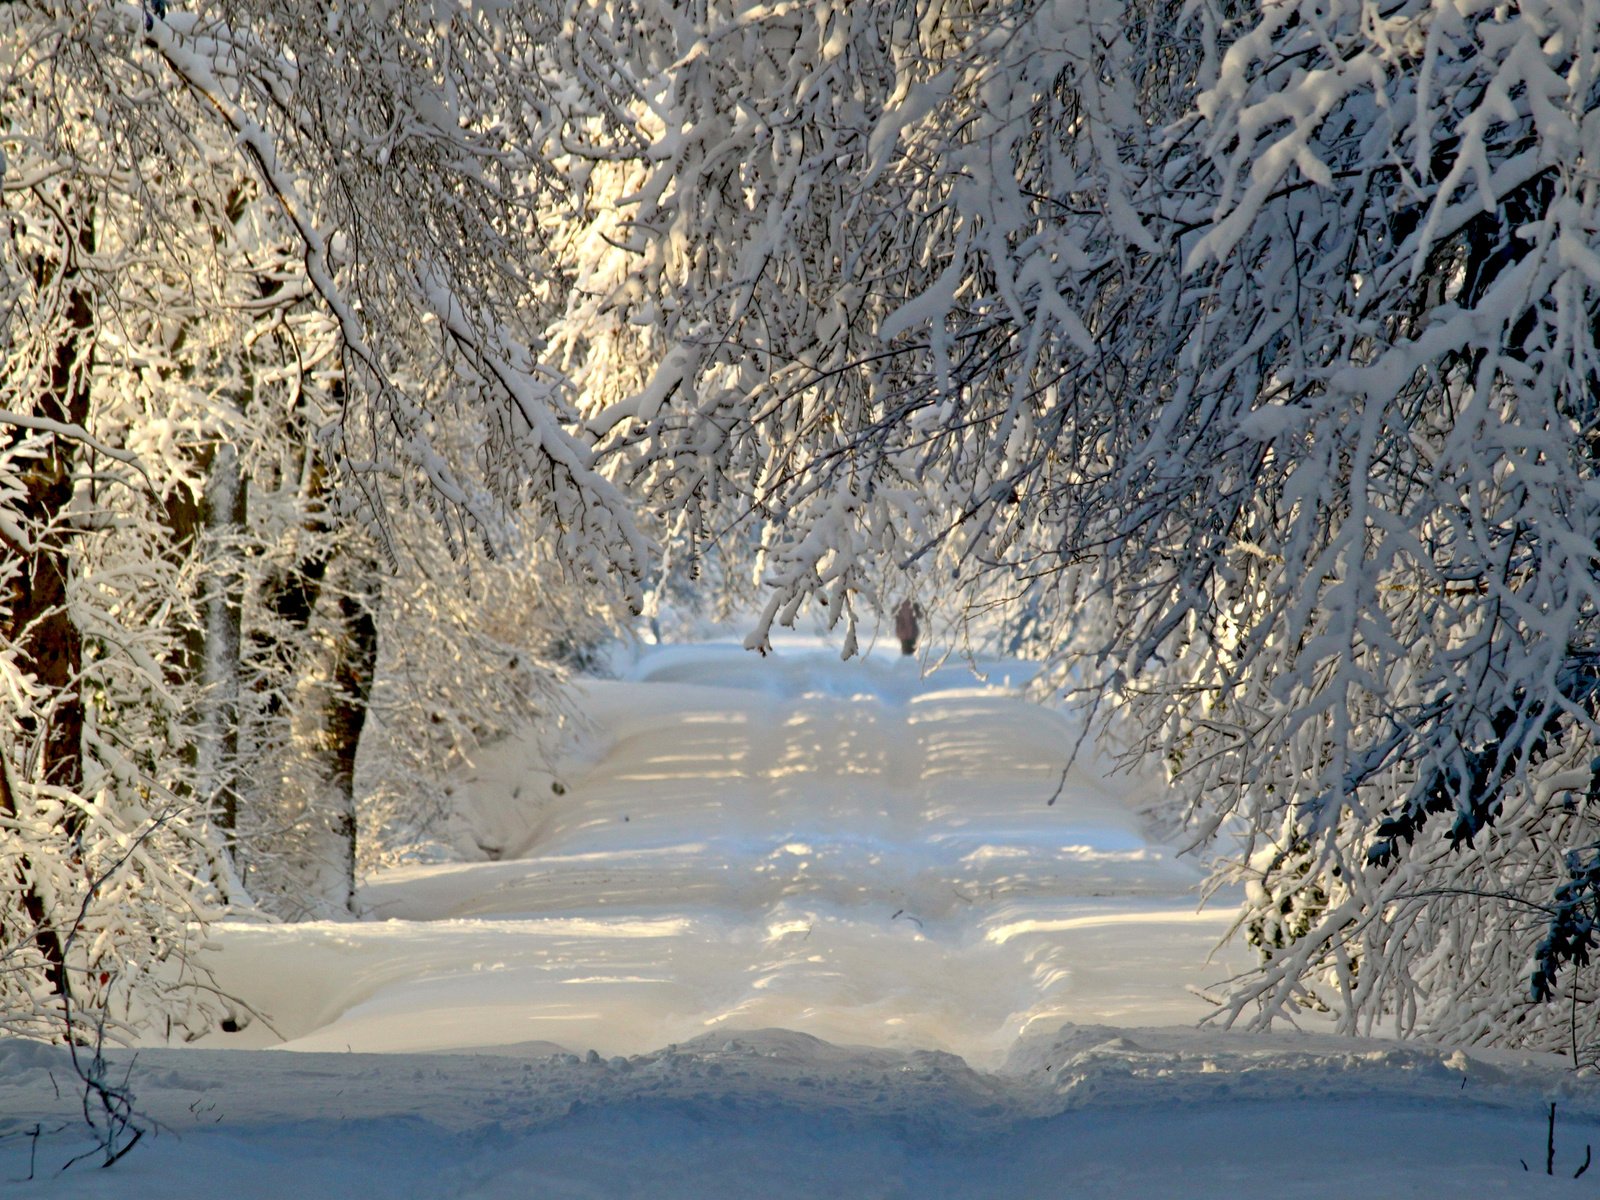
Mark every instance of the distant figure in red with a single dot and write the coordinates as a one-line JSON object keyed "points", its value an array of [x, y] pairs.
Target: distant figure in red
{"points": [[905, 626]]}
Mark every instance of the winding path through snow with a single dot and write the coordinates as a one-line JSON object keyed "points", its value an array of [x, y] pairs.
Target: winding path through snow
{"points": [[850, 850]]}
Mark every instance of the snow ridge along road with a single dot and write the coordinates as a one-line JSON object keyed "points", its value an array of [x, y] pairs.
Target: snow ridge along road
{"points": [[854, 851]]}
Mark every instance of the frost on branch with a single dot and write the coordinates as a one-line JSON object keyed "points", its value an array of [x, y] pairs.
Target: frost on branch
{"points": [[1250, 353], [1401, 201], [248, 252], [415, 200], [1247, 355]]}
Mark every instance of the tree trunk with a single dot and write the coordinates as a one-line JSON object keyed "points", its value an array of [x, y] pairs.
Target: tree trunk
{"points": [[211, 655], [330, 600], [35, 619], [355, 655], [224, 510], [47, 936], [210, 528]]}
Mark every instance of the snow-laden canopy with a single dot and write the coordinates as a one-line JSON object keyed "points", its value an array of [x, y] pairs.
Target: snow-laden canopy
{"points": [[1244, 356]]}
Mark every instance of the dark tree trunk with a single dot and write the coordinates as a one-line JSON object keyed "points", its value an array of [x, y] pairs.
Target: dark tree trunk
{"points": [[355, 659], [47, 936], [35, 619], [207, 527]]}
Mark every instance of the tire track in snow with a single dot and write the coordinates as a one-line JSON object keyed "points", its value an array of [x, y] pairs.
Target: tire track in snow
{"points": [[843, 849]]}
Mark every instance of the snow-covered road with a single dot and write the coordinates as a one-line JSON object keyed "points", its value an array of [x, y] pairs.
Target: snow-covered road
{"points": [[776, 899], [851, 850]]}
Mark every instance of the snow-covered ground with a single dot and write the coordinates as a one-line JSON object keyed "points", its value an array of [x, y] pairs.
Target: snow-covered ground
{"points": [[849, 850], [787, 927]]}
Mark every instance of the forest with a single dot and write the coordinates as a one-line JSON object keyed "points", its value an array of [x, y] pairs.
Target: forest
{"points": [[368, 366]]}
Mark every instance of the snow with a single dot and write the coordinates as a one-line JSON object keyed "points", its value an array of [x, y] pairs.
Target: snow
{"points": [[794, 927], [850, 850]]}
